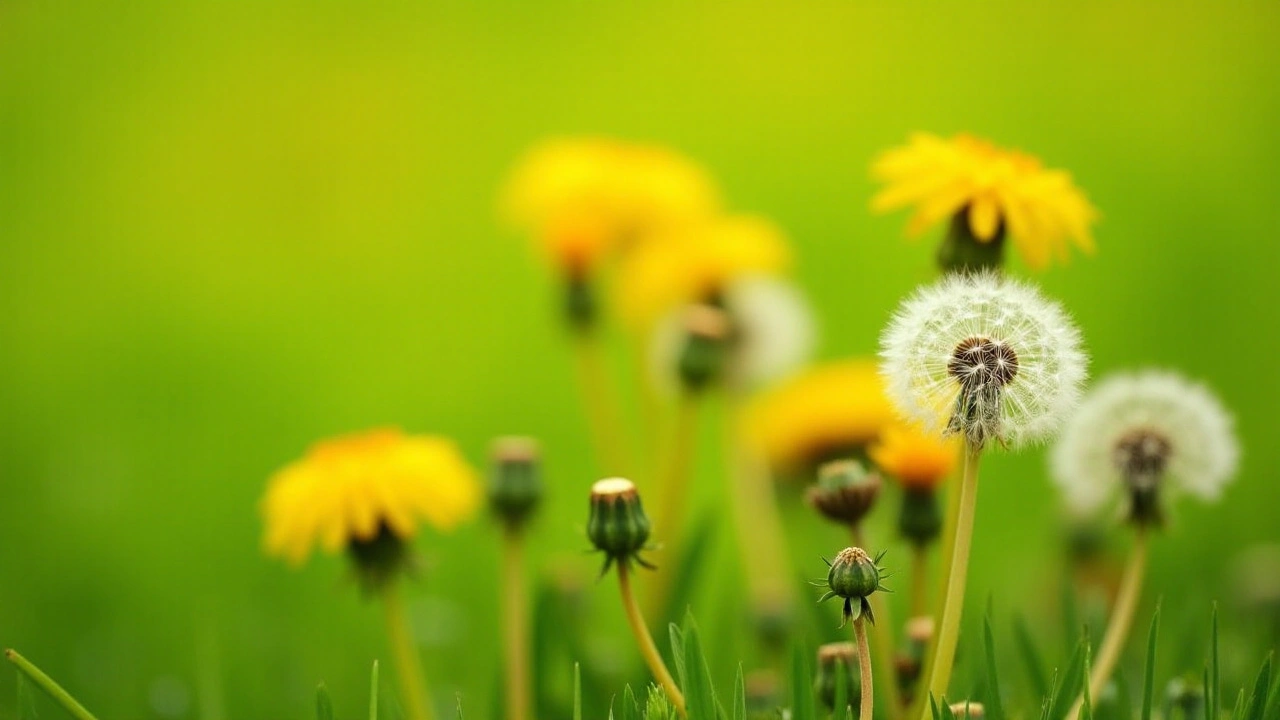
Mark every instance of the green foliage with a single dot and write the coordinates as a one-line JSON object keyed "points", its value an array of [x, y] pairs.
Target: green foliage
{"points": [[324, 703], [802, 702], [1148, 677], [994, 706]]}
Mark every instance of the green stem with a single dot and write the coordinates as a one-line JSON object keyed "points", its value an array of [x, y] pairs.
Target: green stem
{"points": [[919, 579], [408, 666], [1121, 619], [944, 651], [600, 404], [867, 705], [673, 495], [46, 683], [645, 641], [515, 625]]}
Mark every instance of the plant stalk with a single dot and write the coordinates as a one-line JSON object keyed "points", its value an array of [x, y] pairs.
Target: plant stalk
{"points": [[600, 404], [645, 641], [47, 684], [883, 630], [515, 624], [867, 705], [408, 666]]}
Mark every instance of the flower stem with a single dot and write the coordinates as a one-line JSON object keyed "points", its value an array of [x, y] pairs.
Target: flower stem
{"points": [[919, 579], [600, 404], [673, 496], [408, 666], [645, 640], [883, 630], [944, 651], [47, 684], [867, 705], [515, 624], [1121, 619]]}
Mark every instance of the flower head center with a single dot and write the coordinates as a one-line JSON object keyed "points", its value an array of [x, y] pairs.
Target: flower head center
{"points": [[983, 362], [1142, 456]]}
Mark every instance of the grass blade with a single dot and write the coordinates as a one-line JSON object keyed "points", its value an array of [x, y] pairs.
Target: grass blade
{"points": [[692, 560], [1030, 657], [802, 707], [630, 708], [1149, 675], [51, 688], [841, 702], [577, 692], [699, 692], [1086, 707], [1261, 688], [373, 692], [994, 708], [1215, 679], [677, 654], [324, 703], [1069, 683], [739, 696]]}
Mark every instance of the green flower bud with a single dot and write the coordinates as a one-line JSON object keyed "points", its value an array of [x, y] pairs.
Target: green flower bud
{"points": [[920, 518], [835, 659], [909, 663], [617, 525], [515, 485], [853, 575], [705, 353], [845, 491]]}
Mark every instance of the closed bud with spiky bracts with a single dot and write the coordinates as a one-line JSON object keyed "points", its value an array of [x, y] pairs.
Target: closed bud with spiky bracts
{"points": [[515, 482], [617, 525], [1147, 435], [845, 491], [853, 575], [983, 357], [834, 660]]}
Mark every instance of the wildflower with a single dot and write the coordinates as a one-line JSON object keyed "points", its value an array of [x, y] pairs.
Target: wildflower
{"points": [[582, 198], [770, 333], [988, 192], [1152, 433], [617, 526], [367, 493], [696, 262], [853, 576], [828, 412], [845, 491], [984, 357], [834, 660], [920, 461]]}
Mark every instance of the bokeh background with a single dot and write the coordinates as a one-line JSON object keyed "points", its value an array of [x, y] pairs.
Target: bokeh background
{"points": [[229, 229]]}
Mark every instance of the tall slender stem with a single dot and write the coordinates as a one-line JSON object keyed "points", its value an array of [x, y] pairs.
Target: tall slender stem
{"points": [[944, 651], [647, 648], [1121, 618], [757, 520], [47, 684], [677, 455], [882, 628], [515, 624], [601, 405], [408, 666], [866, 707], [919, 579]]}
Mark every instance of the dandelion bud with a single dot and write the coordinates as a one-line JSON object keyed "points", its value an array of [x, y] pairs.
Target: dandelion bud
{"points": [[515, 486], [920, 518], [968, 709], [910, 662], [579, 302], [853, 575], [706, 346], [845, 491], [835, 659], [617, 526], [1184, 696]]}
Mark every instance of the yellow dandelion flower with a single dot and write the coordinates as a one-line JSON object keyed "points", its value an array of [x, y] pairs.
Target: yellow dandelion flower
{"points": [[350, 489], [581, 198], [697, 263], [824, 413], [1000, 190], [918, 459]]}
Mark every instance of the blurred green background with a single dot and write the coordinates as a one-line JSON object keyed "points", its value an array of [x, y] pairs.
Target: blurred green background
{"points": [[227, 230]]}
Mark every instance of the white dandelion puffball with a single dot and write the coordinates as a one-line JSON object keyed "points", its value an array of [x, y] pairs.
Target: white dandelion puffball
{"points": [[773, 334], [985, 356], [1153, 427]]}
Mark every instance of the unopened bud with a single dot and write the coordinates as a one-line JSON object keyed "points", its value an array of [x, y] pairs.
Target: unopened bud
{"points": [[617, 525], [515, 485], [706, 346], [920, 519], [845, 491], [835, 659], [853, 576], [763, 692]]}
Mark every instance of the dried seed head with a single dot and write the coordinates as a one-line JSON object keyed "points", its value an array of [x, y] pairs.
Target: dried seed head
{"points": [[980, 362]]}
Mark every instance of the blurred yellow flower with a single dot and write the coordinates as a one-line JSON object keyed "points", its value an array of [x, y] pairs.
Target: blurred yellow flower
{"points": [[824, 413], [351, 488], [696, 263], [1001, 190], [918, 459], [580, 198]]}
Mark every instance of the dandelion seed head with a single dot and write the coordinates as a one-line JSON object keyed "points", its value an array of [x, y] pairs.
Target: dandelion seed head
{"points": [[1142, 429], [983, 356]]}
